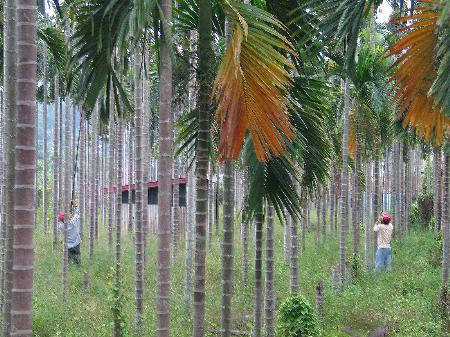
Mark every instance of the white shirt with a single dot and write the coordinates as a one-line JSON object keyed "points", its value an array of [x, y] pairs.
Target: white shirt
{"points": [[384, 234]]}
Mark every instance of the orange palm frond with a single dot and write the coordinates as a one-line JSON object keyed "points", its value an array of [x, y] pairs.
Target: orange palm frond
{"points": [[251, 84], [416, 71]]}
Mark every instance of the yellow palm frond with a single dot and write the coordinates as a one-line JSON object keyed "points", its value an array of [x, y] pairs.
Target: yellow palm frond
{"points": [[416, 71], [251, 84]]}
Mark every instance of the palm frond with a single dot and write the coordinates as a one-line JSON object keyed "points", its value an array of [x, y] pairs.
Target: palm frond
{"points": [[251, 84], [270, 181], [335, 23], [415, 73], [55, 41]]}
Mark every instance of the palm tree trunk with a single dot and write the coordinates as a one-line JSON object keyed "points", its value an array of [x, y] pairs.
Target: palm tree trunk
{"points": [[324, 214], [204, 73], [56, 166], [2, 203], [395, 174], [332, 203], [45, 179], [111, 172], [227, 247], [139, 237], [436, 175], [25, 199], [92, 175], [189, 240], [357, 220], [130, 178], [344, 184], [376, 202], [245, 226], [258, 273], [446, 222], [210, 206], [82, 172], [368, 222], [117, 276], [269, 295], [304, 220], [10, 80], [294, 255], [286, 240], [145, 151], [66, 196], [164, 178]]}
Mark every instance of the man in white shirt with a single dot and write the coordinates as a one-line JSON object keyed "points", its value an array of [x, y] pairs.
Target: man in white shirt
{"points": [[384, 253], [73, 234]]}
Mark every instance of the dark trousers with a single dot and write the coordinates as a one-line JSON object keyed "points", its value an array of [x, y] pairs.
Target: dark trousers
{"points": [[75, 254]]}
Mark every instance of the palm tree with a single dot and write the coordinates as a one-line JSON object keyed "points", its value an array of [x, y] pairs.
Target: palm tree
{"points": [[139, 233], [164, 175], [112, 165], [45, 113], [21, 295], [56, 166], [258, 273], [437, 191], [227, 247], [269, 294], [93, 187], [82, 172], [201, 167], [10, 79], [117, 277]]}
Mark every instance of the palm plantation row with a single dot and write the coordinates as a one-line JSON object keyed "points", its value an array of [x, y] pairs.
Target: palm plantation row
{"points": [[272, 110]]}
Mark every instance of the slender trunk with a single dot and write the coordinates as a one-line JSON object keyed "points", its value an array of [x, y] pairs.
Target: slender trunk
{"points": [[269, 295], [446, 222], [2, 203], [10, 73], [357, 220], [227, 247], [436, 175], [112, 164], [210, 206], [332, 203], [324, 214], [376, 203], [176, 191], [368, 222], [164, 178], [395, 178], [204, 73], [45, 179], [25, 166], [319, 216], [245, 226], [216, 201], [56, 166], [190, 193], [304, 220], [130, 179], [344, 184], [118, 221], [139, 237], [258, 273], [294, 255], [82, 172], [67, 197], [145, 151], [400, 191], [92, 175], [286, 240]]}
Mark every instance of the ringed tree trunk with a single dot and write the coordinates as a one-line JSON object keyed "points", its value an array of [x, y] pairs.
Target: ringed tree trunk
{"points": [[111, 172], [258, 273], [344, 184], [25, 198], [368, 222], [436, 194], [445, 243], [227, 247], [93, 210], [82, 172], [45, 178], [189, 241], [10, 80], [204, 73], [130, 177], [376, 202], [56, 166], [358, 202], [269, 295], [164, 178], [139, 239], [117, 277]]}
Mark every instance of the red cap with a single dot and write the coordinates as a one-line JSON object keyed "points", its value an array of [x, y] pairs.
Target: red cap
{"points": [[386, 218], [61, 216]]}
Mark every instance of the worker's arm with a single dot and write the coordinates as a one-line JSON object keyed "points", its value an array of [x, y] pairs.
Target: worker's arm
{"points": [[376, 227]]}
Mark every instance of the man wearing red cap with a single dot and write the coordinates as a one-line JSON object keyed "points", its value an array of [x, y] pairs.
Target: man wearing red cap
{"points": [[73, 234], [384, 253]]}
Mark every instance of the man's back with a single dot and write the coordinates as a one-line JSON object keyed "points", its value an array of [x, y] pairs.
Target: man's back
{"points": [[384, 235]]}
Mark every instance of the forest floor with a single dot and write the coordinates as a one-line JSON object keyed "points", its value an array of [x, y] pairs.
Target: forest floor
{"points": [[404, 301]]}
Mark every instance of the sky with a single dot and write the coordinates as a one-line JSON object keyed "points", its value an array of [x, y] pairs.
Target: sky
{"points": [[384, 12]]}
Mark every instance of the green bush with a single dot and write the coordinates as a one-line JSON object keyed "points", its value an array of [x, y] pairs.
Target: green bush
{"points": [[297, 319]]}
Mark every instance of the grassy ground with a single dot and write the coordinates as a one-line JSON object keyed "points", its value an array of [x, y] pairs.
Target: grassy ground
{"points": [[404, 300]]}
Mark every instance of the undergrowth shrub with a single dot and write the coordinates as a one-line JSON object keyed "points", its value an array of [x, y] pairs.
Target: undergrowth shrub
{"points": [[297, 319]]}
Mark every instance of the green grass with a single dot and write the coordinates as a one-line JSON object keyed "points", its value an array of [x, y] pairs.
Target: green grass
{"points": [[404, 300]]}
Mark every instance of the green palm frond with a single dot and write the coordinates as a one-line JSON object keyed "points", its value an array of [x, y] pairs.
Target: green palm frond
{"points": [[333, 22], [441, 85], [270, 181], [186, 14], [311, 105], [56, 43]]}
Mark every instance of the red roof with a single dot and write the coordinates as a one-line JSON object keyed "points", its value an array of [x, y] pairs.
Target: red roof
{"points": [[151, 184]]}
